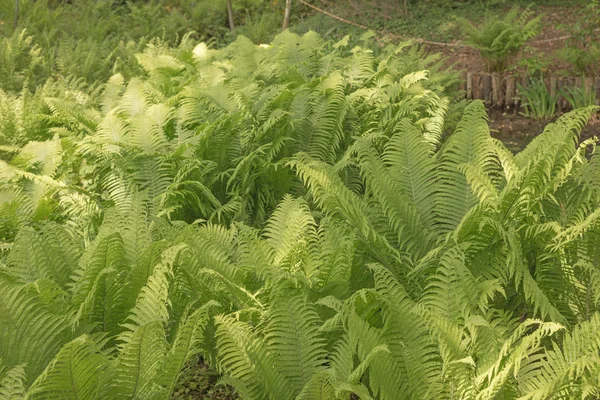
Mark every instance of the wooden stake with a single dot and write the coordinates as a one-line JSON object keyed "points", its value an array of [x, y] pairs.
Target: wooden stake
{"points": [[589, 85], [463, 85], [230, 15], [518, 101], [509, 98], [553, 82], [497, 92], [476, 87], [486, 89], [469, 86], [286, 15], [562, 102]]}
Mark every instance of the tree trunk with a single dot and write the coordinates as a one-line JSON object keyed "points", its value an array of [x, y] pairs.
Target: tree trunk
{"points": [[230, 15], [286, 15]]}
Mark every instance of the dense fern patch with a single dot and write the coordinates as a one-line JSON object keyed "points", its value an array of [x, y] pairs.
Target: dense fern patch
{"points": [[303, 216]]}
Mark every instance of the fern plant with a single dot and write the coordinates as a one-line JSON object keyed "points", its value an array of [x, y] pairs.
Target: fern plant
{"points": [[500, 39], [300, 216], [159, 133]]}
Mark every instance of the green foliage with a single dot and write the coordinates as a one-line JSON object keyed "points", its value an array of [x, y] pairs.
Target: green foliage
{"points": [[301, 217], [581, 49], [537, 101], [261, 29], [499, 39], [208, 141], [584, 61], [534, 62], [579, 97], [21, 63], [92, 40]]}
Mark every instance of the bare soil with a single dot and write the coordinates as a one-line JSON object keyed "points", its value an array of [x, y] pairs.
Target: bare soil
{"points": [[516, 131]]}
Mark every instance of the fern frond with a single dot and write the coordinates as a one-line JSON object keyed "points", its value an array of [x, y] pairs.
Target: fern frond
{"points": [[332, 195], [288, 227], [402, 215], [31, 332], [469, 145], [293, 339], [13, 384], [187, 343], [79, 370], [553, 374], [237, 349]]}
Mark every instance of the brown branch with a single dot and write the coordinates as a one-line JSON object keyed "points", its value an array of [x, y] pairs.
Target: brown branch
{"points": [[333, 15]]}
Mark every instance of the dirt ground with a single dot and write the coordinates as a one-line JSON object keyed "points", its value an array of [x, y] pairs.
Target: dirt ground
{"points": [[516, 131]]}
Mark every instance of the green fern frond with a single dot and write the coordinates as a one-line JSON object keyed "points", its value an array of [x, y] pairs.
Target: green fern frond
{"points": [[402, 215], [552, 374], [187, 343], [13, 384], [469, 145], [293, 339], [50, 253], [31, 332], [237, 351], [288, 227], [330, 193], [79, 370]]}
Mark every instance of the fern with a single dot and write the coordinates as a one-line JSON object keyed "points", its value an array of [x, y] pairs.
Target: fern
{"points": [[301, 217], [13, 383], [77, 371], [293, 340]]}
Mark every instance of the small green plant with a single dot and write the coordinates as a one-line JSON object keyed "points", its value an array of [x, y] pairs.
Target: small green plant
{"points": [[537, 101], [584, 60], [261, 29], [582, 50], [499, 39], [579, 97], [534, 62], [20, 62]]}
